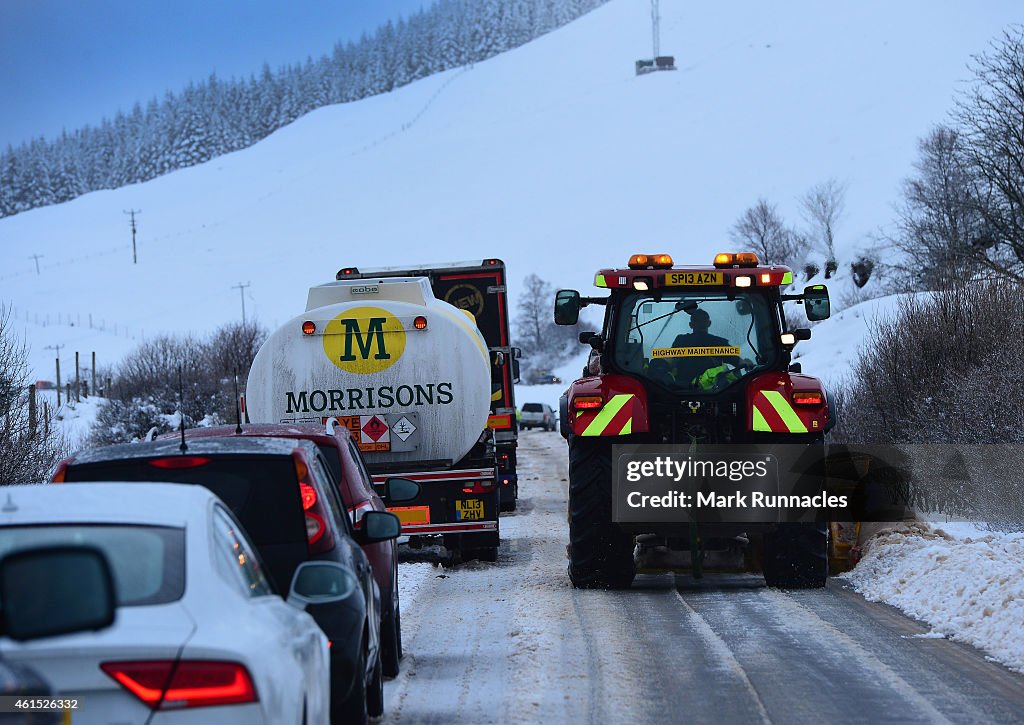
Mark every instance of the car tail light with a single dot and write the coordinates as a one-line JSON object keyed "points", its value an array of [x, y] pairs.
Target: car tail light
{"points": [[808, 398], [179, 462], [170, 685], [318, 535]]}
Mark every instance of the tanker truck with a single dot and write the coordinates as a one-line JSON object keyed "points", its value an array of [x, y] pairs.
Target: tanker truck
{"points": [[409, 376], [479, 287]]}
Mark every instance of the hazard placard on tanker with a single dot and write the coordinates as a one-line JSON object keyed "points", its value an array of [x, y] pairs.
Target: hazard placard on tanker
{"points": [[719, 351], [679, 279]]}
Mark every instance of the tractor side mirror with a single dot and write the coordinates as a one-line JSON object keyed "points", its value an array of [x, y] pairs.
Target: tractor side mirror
{"points": [[567, 307], [816, 303]]}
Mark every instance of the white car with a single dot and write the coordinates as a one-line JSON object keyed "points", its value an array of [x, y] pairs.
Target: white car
{"points": [[538, 415], [198, 636]]}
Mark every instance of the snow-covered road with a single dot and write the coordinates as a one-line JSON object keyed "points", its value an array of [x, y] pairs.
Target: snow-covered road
{"points": [[512, 642]]}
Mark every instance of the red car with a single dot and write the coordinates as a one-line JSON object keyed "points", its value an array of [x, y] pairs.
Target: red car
{"points": [[355, 489]]}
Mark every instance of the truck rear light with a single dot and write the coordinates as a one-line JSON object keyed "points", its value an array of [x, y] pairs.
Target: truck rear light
{"points": [[61, 472], [808, 398], [308, 327], [318, 536], [587, 402], [176, 462], [170, 685], [483, 486], [420, 323], [744, 281]]}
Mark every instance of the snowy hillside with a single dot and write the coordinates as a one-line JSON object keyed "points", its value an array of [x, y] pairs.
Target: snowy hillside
{"points": [[555, 157]]}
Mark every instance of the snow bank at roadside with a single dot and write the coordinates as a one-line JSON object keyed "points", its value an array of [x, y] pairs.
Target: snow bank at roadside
{"points": [[967, 584]]}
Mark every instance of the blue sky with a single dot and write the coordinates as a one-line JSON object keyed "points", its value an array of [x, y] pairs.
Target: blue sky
{"points": [[67, 63]]}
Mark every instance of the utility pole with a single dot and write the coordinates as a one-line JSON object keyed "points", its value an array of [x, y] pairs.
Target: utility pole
{"points": [[241, 289], [133, 212], [36, 257], [656, 27], [57, 348]]}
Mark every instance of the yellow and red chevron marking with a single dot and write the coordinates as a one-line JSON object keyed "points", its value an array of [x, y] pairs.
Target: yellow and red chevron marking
{"points": [[614, 418], [773, 413]]}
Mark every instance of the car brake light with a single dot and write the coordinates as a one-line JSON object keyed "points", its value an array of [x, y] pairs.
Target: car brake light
{"points": [[308, 494], [170, 685], [179, 462], [318, 536], [808, 398]]}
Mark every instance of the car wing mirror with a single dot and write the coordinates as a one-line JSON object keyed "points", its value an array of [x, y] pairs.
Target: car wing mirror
{"points": [[399, 490], [54, 590], [377, 526]]}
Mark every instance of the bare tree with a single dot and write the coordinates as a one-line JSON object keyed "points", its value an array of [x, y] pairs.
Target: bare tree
{"points": [[939, 216], [544, 344], [762, 229], [823, 207], [991, 117], [27, 451]]}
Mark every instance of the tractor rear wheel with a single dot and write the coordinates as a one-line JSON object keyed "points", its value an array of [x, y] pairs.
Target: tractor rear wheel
{"points": [[796, 556], [600, 553]]}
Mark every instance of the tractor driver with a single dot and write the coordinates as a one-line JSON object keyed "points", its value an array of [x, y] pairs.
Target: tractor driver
{"points": [[691, 370]]}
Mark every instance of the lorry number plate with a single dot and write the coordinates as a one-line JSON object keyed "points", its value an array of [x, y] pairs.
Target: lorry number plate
{"points": [[693, 278], [471, 509]]}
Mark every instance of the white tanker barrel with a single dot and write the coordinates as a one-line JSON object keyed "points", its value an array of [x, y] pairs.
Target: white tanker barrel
{"points": [[407, 373]]}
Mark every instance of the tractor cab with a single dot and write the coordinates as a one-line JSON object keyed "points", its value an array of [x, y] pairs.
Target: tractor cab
{"points": [[699, 336]]}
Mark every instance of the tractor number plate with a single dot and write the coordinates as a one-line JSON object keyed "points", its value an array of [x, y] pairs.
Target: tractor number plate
{"points": [[678, 279], [472, 509]]}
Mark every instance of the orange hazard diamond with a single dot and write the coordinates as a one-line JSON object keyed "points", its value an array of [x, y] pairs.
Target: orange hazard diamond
{"points": [[375, 428]]}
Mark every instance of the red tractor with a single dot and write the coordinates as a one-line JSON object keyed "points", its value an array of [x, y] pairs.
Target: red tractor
{"points": [[689, 355]]}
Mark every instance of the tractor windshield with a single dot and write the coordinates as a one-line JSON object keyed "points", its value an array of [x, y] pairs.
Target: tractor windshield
{"points": [[696, 340]]}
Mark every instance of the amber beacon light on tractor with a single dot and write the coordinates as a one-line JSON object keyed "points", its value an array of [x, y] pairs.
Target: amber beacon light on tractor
{"points": [[690, 355]]}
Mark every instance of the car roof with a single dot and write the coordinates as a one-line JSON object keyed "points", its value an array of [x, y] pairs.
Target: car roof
{"points": [[209, 446], [154, 504], [307, 431]]}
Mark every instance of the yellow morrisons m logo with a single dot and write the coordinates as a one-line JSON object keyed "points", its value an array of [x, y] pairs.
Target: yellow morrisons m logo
{"points": [[364, 340]]}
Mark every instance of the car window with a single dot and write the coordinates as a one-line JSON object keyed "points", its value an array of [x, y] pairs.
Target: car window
{"points": [[148, 562], [262, 490], [532, 408], [357, 461], [242, 561]]}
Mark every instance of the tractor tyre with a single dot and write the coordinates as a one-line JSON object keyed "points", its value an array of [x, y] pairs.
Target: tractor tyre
{"points": [[600, 553], [795, 556]]}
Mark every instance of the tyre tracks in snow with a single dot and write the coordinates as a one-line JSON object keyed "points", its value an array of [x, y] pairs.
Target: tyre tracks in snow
{"points": [[512, 642]]}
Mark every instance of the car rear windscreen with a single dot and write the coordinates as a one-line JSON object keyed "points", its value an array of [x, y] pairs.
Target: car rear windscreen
{"points": [[262, 491], [147, 562], [532, 408]]}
